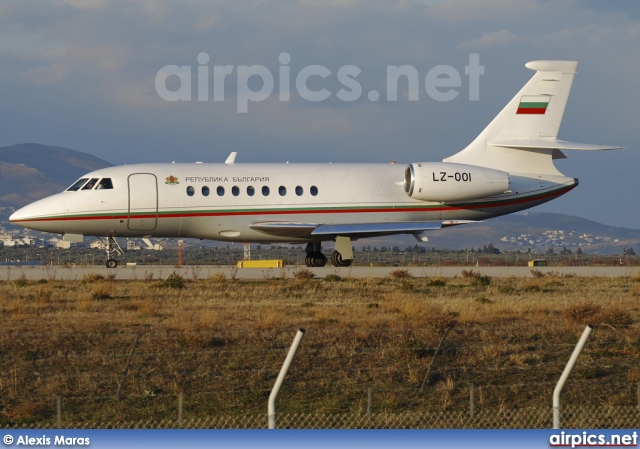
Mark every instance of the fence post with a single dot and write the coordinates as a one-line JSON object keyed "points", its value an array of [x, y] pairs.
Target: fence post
{"points": [[271, 407], [369, 394], [180, 401], [426, 377], [565, 375], [59, 412], [126, 368], [471, 400]]}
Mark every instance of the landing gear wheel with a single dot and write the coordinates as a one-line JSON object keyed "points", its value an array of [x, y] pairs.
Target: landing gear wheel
{"points": [[315, 260], [112, 247], [338, 261]]}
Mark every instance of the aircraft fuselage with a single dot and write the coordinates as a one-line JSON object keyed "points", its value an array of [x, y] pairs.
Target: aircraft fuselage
{"points": [[222, 201]]}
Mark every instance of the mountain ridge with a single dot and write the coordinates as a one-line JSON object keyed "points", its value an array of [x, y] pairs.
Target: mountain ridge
{"points": [[31, 171]]}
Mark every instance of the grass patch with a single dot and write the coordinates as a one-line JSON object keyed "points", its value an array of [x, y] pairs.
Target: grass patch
{"points": [[222, 343]]}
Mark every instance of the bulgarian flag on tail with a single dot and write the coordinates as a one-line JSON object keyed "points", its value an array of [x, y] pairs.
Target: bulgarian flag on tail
{"points": [[533, 104]]}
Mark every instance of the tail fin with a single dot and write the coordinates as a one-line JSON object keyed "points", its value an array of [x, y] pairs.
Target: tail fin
{"points": [[522, 137]]}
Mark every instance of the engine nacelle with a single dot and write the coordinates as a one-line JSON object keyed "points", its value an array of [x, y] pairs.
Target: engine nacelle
{"points": [[446, 182]]}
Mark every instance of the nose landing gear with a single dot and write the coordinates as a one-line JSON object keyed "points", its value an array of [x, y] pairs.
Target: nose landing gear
{"points": [[113, 248]]}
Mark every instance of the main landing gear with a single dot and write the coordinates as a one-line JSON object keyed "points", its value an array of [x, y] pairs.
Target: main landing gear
{"points": [[316, 259], [338, 261], [113, 248]]}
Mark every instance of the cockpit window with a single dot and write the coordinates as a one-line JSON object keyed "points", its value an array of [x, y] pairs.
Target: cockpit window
{"points": [[91, 184], [76, 186], [105, 183]]}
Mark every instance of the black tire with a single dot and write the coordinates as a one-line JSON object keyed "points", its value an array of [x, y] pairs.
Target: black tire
{"points": [[316, 259], [111, 263], [338, 261]]}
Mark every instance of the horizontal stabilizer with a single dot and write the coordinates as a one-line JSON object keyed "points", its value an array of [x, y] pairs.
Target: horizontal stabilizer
{"points": [[540, 144], [523, 137]]}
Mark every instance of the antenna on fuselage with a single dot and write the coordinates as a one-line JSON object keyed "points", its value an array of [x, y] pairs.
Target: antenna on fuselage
{"points": [[232, 158]]}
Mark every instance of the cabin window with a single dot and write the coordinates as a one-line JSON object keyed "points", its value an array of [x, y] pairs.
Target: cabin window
{"points": [[91, 184], [220, 191], [299, 190], [191, 191], [313, 190], [79, 183], [105, 183], [250, 190], [235, 190], [205, 191], [265, 190], [282, 190]]}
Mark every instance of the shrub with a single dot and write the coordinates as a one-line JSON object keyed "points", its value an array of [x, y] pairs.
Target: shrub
{"points": [[332, 278], [400, 274], [616, 318], [481, 280], [437, 282], [91, 278], [582, 313], [477, 279], [303, 274], [174, 280]]}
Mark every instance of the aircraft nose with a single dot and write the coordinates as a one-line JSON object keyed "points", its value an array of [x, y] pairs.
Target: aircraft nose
{"points": [[43, 215], [19, 215]]}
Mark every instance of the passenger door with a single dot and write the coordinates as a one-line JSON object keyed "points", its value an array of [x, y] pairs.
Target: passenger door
{"points": [[143, 202]]}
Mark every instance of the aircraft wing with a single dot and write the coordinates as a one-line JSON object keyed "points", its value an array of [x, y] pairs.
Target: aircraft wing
{"points": [[352, 230]]}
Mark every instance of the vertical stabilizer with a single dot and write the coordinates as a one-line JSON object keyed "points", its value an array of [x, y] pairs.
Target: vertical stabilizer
{"points": [[533, 115]]}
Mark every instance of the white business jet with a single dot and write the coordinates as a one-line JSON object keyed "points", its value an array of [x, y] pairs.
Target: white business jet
{"points": [[507, 168]]}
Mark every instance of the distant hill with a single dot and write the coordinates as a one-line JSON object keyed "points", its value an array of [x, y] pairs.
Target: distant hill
{"points": [[538, 231], [31, 171]]}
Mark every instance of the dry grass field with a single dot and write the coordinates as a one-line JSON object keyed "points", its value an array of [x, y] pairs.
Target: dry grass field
{"points": [[221, 343]]}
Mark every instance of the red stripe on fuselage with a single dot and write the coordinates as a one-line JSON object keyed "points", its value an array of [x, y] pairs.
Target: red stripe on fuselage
{"points": [[311, 211]]}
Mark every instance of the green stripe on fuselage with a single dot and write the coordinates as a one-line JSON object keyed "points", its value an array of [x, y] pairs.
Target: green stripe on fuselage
{"points": [[323, 210]]}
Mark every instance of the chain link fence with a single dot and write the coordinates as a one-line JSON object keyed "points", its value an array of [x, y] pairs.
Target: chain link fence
{"points": [[530, 418]]}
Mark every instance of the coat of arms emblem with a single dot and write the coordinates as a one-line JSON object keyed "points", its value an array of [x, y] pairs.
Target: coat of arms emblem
{"points": [[171, 180]]}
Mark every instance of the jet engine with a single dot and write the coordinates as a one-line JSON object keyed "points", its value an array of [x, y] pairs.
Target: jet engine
{"points": [[446, 182]]}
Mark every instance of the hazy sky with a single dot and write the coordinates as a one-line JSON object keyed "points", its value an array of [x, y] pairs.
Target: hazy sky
{"points": [[82, 74]]}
